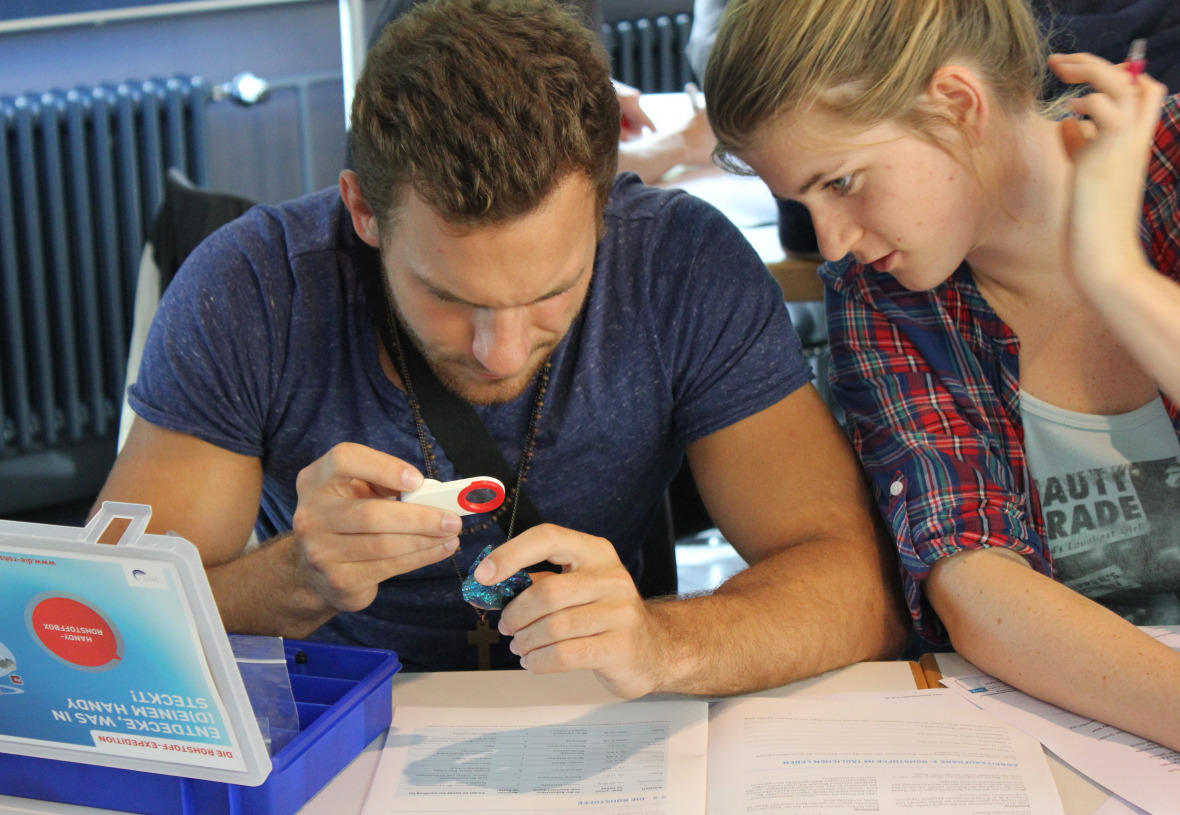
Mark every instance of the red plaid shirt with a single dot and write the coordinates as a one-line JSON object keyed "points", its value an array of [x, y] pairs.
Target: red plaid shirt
{"points": [[930, 384]]}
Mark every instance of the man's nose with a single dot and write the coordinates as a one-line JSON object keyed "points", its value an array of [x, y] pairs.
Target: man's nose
{"points": [[501, 343]]}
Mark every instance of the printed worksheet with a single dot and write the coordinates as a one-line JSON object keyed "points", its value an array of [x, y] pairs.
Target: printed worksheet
{"points": [[1142, 772], [1117, 806], [635, 758], [1169, 635], [837, 757]]}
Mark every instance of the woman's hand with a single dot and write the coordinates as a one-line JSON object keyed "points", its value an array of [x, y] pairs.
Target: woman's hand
{"points": [[1110, 149]]}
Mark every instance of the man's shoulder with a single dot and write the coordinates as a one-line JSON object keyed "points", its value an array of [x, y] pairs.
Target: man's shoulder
{"points": [[632, 200], [671, 233], [269, 245], [310, 223], [271, 252]]}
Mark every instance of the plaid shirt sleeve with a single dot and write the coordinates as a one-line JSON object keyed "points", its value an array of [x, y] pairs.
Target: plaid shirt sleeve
{"points": [[933, 433], [1160, 227]]}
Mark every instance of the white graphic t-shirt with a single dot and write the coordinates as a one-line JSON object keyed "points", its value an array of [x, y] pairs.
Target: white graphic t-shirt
{"points": [[1110, 494]]}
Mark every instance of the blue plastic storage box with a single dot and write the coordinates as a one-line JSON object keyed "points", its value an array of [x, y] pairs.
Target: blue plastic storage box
{"points": [[345, 700]]}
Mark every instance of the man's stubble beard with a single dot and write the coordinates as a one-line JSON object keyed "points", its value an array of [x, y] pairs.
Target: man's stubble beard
{"points": [[491, 394]]}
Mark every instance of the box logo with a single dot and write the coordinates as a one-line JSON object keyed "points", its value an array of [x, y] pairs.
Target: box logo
{"points": [[145, 576]]}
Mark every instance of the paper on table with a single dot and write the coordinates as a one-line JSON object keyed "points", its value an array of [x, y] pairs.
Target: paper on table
{"points": [[936, 697], [1141, 771], [635, 757], [1117, 806], [801, 755], [746, 201], [1168, 635]]}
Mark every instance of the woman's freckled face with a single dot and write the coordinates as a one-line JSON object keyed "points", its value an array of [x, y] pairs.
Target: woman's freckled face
{"points": [[875, 193]]}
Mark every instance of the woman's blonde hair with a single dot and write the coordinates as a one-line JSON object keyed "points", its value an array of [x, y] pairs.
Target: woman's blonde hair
{"points": [[866, 61]]}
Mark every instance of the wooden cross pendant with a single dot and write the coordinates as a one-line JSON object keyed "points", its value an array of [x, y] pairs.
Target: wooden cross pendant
{"points": [[483, 637]]}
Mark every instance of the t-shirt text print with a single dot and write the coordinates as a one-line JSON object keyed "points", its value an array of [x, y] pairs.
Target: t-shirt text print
{"points": [[1115, 536]]}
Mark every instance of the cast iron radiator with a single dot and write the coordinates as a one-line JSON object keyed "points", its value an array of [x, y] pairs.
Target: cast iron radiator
{"points": [[81, 176], [649, 54]]}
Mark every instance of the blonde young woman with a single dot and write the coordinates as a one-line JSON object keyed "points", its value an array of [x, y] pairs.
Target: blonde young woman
{"points": [[1001, 319]]}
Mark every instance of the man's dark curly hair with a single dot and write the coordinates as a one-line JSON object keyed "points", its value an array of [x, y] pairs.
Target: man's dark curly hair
{"points": [[483, 107]]}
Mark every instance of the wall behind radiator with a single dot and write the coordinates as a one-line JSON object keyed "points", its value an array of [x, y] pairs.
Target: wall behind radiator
{"points": [[253, 151]]}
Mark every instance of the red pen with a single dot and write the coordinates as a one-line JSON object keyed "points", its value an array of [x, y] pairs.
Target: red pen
{"points": [[1136, 61]]}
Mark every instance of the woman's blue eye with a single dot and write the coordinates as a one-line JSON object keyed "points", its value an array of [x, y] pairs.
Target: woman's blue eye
{"points": [[842, 184]]}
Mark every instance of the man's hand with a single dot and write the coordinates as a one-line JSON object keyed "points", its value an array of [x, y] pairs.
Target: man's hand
{"points": [[348, 533], [590, 616]]}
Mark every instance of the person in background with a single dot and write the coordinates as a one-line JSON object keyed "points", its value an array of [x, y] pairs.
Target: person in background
{"points": [[1108, 27], [1016, 437], [600, 330], [651, 153], [643, 148], [795, 231]]}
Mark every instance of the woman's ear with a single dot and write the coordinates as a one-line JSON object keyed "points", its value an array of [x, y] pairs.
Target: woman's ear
{"points": [[962, 95]]}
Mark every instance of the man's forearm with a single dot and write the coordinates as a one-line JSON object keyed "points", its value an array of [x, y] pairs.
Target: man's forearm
{"points": [[789, 617], [262, 592]]}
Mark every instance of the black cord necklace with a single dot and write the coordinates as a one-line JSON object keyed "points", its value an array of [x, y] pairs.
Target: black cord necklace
{"points": [[488, 460], [427, 447], [483, 636]]}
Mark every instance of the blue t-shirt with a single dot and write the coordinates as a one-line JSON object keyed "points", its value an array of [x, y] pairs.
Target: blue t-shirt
{"points": [[263, 345]]}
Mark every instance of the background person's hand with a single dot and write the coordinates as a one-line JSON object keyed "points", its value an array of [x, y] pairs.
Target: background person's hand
{"points": [[635, 121], [653, 155]]}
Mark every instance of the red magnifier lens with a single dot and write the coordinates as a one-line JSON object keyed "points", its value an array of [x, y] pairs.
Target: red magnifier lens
{"points": [[481, 496]]}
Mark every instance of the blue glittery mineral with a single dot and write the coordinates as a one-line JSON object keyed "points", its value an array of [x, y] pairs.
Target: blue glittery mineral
{"points": [[496, 596]]}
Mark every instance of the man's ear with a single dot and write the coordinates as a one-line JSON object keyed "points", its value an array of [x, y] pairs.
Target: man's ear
{"points": [[960, 92], [364, 220]]}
